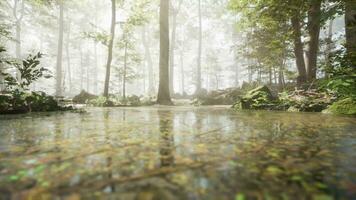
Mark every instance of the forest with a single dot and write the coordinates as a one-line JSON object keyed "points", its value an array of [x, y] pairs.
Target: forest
{"points": [[177, 99]]}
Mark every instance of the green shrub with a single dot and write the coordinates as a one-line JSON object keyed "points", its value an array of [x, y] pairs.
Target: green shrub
{"points": [[346, 106]]}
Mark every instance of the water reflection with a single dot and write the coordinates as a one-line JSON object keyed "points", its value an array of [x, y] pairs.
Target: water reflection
{"points": [[166, 138], [178, 153]]}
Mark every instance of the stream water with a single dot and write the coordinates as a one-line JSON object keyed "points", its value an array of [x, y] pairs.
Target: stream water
{"points": [[177, 153]]}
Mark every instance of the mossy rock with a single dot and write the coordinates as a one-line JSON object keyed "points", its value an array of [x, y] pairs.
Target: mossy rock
{"points": [[345, 107], [84, 97], [260, 98]]}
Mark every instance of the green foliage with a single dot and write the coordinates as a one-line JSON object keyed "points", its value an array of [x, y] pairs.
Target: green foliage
{"points": [[259, 98], [342, 76], [22, 102], [345, 106], [100, 102], [29, 70]]}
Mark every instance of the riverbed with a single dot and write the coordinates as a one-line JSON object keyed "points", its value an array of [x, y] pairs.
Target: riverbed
{"points": [[177, 153]]}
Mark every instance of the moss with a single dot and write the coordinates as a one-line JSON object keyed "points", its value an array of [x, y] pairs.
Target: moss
{"points": [[260, 98], [345, 106], [84, 97]]}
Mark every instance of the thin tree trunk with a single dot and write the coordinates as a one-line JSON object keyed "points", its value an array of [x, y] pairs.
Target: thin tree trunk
{"points": [[182, 70], [81, 67], [329, 47], [88, 70], [172, 46], [314, 21], [110, 48], [350, 28], [298, 49], [148, 58], [95, 68], [95, 57], [60, 50], [163, 91], [198, 81], [124, 74], [68, 60], [171, 63]]}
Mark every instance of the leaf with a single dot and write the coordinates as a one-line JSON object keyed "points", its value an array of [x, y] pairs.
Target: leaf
{"points": [[240, 196]]}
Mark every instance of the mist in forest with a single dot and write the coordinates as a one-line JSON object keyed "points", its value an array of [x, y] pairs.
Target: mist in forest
{"points": [[208, 48]]}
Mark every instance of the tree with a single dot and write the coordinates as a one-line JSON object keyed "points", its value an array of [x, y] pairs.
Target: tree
{"points": [[350, 27], [314, 23], [175, 12], [110, 48], [198, 75], [60, 49], [163, 91], [298, 47]]}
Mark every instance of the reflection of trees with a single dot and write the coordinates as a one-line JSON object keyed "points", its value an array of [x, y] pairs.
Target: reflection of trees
{"points": [[109, 159], [166, 138]]}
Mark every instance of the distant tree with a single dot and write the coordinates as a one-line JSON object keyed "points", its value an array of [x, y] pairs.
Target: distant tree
{"points": [[59, 76]]}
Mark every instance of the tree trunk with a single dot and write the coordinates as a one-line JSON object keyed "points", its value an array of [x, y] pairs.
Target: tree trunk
{"points": [[198, 81], [60, 50], [350, 27], [329, 47], [298, 49], [148, 58], [95, 68], [163, 91], [110, 48], [68, 60], [172, 46], [87, 69], [314, 21], [81, 67], [124, 74], [182, 70]]}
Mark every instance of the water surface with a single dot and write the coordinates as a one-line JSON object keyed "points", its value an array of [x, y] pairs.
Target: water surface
{"points": [[177, 153]]}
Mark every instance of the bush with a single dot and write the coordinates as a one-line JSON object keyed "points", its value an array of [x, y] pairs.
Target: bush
{"points": [[18, 102], [346, 106], [101, 102]]}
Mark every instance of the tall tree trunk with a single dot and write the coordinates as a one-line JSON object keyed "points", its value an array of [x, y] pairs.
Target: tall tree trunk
{"points": [[18, 23], [60, 50], [171, 58], [298, 48], [182, 70], [163, 91], [110, 48], [148, 58], [81, 67], [314, 21], [350, 24], [124, 73], [329, 47], [172, 45], [68, 60], [95, 68], [198, 81], [87, 70], [95, 56]]}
